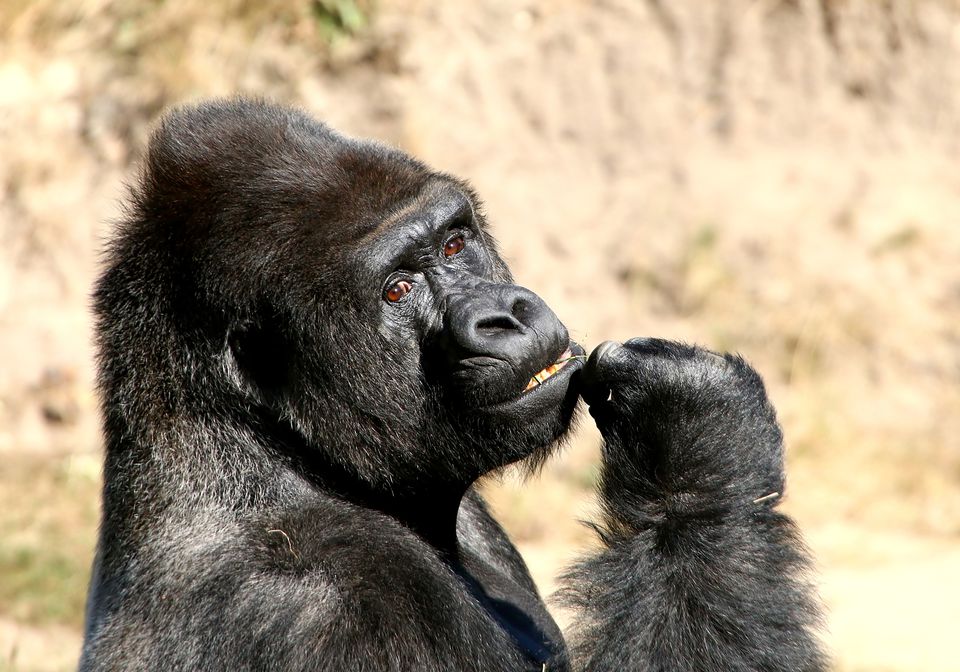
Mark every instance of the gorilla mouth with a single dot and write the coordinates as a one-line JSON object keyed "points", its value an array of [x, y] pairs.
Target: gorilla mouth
{"points": [[543, 375]]}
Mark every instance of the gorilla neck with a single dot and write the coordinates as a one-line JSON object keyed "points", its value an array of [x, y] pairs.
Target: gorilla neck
{"points": [[432, 515], [429, 509]]}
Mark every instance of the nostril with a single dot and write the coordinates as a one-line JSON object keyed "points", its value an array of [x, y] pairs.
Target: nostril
{"points": [[493, 325], [519, 309]]}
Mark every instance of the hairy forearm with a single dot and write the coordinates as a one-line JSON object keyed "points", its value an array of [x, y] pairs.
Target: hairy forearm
{"points": [[671, 593], [698, 571]]}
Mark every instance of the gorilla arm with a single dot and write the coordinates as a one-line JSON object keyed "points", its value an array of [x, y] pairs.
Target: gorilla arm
{"points": [[699, 571]]}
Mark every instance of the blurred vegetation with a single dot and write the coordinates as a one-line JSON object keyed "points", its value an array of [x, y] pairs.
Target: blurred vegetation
{"points": [[179, 49], [46, 547], [340, 19]]}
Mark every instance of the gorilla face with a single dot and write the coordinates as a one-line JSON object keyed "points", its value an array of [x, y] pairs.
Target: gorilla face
{"points": [[493, 354], [299, 279]]}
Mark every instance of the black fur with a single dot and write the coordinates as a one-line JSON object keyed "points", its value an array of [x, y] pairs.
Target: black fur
{"points": [[699, 571], [290, 454]]}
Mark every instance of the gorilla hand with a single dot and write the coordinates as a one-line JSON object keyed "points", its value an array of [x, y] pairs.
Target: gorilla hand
{"points": [[687, 432], [697, 569]]}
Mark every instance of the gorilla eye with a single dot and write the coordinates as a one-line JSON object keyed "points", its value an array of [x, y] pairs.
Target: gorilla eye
{"points": [[454, 246], [397, 290]]}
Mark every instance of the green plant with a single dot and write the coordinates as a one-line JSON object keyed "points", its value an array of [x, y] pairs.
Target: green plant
{"points": [[340, 18]]}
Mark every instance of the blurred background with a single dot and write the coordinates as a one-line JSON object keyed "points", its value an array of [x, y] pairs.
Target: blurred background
{"points": [[775, 177]]}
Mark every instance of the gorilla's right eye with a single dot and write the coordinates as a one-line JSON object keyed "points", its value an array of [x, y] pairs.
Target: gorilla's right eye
{"points": [[397, 290]]}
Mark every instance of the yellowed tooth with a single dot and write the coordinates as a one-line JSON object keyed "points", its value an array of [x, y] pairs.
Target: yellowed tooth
{"points": [[545, 373]]}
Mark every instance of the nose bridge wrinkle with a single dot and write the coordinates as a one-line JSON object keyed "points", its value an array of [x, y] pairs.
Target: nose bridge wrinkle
{"points": [[446, 281], [442, 292]]}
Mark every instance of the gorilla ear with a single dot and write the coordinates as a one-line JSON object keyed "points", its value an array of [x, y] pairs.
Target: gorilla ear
{"points": [[258, 360]]}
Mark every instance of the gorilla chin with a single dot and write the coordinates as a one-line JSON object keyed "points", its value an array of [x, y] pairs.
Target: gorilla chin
{"points": [[536, 421], [550, 393]]}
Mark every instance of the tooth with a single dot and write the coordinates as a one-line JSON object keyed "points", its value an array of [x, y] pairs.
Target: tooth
{"points": [[549, 371]]}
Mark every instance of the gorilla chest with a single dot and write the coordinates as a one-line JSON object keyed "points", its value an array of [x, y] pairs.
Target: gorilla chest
{"points": [[514, 607]]}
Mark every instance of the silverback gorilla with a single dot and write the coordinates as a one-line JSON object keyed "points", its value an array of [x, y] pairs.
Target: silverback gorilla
{"points": [[310, 350]]}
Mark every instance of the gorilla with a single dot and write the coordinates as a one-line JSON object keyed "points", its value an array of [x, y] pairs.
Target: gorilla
{"points": [[310, 350]]}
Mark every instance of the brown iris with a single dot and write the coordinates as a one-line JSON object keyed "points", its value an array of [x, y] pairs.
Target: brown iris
{"points": [[453, 246], [398, 290]]}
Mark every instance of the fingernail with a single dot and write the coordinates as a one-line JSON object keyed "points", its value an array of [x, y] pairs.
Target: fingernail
{"points": [[603, 350]]}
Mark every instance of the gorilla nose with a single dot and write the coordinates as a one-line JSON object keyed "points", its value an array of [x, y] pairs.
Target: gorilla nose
{"points": [[508, 323]]}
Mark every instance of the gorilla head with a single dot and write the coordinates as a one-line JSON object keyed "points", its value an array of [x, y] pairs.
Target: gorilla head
{"points": [[330, 300]]}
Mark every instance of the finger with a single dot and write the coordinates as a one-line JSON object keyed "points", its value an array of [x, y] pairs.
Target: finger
{"points": [[660, 347], [644, 344], [595, 374]]}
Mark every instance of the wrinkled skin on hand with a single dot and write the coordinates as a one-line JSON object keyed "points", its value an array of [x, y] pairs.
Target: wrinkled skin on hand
{"points": [[692, 431]]}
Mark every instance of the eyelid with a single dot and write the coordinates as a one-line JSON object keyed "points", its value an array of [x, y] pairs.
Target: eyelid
{"points": [[463, 221]]}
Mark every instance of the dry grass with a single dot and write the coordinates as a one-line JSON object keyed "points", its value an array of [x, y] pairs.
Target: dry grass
{"points": [[47, 534]]}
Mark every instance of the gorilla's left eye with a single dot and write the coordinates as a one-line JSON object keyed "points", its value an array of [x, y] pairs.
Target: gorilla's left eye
{"points": [[454, 246]]}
